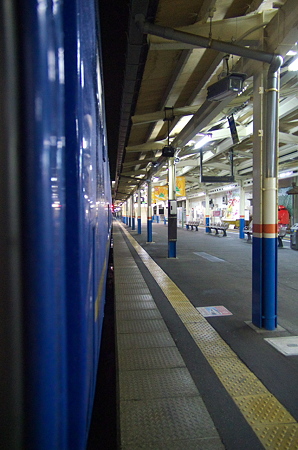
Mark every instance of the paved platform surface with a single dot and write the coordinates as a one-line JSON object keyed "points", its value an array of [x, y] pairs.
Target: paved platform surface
{"points": [[188, 381]]}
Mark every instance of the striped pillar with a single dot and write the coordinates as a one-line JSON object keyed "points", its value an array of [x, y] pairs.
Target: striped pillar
{"points": [[129, 212], [172, 210], [149, 213], [257, 245], [270, 254], [126, 213], [139, 213], [132, 206], [187, 211], [264, 282], [207, 217]]}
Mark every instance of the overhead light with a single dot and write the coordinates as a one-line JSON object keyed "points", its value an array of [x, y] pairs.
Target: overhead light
{"points": [[187, 156], [285, 174], [230, 187], [226, 87], [293, 67], [293, 50], [181, 124], [205, 138]]}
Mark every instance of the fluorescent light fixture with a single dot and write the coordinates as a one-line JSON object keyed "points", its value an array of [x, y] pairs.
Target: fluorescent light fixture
{"points": [[285, 174], [293, 50], [205, 138], [230, 187], [187, 156], [293, 67], [181, 124]]}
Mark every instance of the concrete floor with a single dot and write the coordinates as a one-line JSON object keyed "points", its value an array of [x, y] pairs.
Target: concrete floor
{"points": [[227, 282]]}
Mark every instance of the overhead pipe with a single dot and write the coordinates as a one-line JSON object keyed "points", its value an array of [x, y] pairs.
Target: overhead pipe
{"points": [[201, 41]]}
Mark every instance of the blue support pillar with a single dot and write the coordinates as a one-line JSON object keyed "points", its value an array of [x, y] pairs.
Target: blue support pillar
{"points": [[241, 227], [269, 321], [172, 249], [207, 229], [257, 281], [149, 229]]}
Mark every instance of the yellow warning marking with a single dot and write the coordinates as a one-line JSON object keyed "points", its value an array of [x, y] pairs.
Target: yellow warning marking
{"points": [[279, 437], [270, 421]]}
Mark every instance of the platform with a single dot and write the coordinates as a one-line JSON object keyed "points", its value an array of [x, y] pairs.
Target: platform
{"points": [[192, 382]]}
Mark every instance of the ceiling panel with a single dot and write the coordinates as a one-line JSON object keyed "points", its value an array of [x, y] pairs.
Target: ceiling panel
{"points": [[170, 74]]}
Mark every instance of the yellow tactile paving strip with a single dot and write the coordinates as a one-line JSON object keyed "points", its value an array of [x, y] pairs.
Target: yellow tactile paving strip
{"points": [[271, 422]]}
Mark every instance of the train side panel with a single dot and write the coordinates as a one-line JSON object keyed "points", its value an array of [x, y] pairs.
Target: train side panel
{"points": [[87, 242], [66, 219], [45, 352]]}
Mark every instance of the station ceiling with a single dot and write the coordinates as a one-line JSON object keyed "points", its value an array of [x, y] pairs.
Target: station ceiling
{"points": [[164, 99]]}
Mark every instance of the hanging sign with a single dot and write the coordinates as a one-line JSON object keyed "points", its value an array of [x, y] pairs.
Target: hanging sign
{"points": [[180, 187], [233, 129]]}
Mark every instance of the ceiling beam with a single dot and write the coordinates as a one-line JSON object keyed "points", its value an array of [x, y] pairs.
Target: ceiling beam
{"points": [[146, 147], [282, 30], [159, 115], [286, 138]]}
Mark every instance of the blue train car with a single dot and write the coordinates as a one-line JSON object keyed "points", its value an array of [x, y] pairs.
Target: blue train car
{"points": [[55, 221]]}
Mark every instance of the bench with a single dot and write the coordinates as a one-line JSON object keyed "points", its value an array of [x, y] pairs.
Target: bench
{"points": [[282, 231], [249, 233], [192, 225], [281, 234], [219, 227]]}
